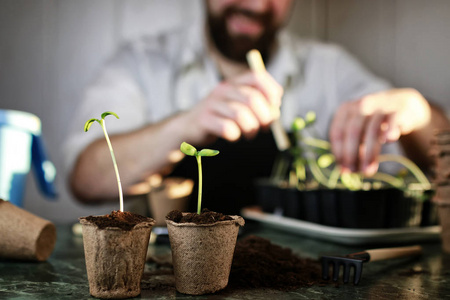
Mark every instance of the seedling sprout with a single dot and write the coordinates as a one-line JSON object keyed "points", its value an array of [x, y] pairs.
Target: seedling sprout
{"points": [[191, 151], [88, 125]]}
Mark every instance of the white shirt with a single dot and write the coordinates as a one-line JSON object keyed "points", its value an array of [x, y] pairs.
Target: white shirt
{"points": [[156, 76]]}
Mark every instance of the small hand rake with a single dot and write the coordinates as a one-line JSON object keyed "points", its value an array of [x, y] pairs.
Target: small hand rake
{"points": [[356, 260]]}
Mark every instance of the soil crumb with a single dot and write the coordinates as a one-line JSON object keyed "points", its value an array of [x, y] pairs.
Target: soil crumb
{"points": [[205, 217], [123, 220]]}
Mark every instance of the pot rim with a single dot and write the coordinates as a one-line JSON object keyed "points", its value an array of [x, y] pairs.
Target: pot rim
{"points": [[238, 220], [143, 224]]}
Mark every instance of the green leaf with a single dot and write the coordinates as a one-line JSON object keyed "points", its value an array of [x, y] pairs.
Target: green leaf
{"points": [[325, 160], [107, 113], [88, 124], [208, 152], [310, 117], [188, 149], [298, 124]]}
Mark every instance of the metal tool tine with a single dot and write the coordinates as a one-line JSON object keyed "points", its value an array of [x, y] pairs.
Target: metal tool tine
{"points": [[336, 267], [358, 273], [325, 269], [347, 269]]}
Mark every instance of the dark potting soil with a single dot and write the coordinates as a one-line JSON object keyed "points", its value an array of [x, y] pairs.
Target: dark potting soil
{"points": [[205, 217], [124, 220], [257, 263]]}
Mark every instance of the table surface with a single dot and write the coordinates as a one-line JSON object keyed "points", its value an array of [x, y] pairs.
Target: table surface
{"points": [[63, 275]]}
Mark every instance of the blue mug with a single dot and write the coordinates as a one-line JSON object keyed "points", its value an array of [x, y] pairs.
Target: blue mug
{"points": [[21, 146]]}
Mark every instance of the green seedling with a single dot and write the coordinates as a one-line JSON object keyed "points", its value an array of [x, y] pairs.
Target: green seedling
{"points": [[315, 154], [191, 151], [88, 125]]}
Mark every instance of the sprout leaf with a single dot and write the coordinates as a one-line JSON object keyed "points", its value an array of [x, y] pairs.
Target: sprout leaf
{"points": [[325, 160], [208, 152], [107, 113], [188, 149], [298, 124], [310, 117], [88, 124]]}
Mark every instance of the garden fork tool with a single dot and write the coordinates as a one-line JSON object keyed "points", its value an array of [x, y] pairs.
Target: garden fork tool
{"points": [[356, 260], [283, 162]]}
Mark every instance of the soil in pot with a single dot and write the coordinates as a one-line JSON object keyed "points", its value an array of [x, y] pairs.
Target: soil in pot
{"points": [[202, 249], [115, 248]]}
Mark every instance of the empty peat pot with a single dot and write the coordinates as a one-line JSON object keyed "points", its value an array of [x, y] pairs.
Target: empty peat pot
{"points": [[115, 257], [23, 235], [202, 254]]}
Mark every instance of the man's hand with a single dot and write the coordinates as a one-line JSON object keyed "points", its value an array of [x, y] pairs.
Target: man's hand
{"points": [[361, 127], [237, 107]]}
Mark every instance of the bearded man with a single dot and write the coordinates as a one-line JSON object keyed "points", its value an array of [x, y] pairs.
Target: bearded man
{"points": [[193, 84]]}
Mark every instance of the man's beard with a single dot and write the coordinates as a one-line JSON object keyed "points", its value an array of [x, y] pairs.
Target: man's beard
{"points": [[236, 47]]}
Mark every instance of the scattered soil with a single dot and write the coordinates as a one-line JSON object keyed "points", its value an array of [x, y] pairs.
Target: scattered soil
{"points": [[205, 217], [159, 279], [257, 263], [124, 220]]}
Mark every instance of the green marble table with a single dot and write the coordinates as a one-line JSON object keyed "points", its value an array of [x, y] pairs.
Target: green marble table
{"points": [[63, 276]]}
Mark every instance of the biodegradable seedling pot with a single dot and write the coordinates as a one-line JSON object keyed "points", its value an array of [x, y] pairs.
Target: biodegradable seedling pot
{"points": [[115, 258], [172, 194], [23, 235], [202, 254]]}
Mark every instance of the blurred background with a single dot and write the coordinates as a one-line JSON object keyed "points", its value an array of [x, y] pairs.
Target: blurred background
{"points": [[50, 49]]}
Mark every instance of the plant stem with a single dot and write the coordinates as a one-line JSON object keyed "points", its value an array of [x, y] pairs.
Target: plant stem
{"points": [[310, 141], [317, 173], [199, 203], [395, 182], [114, 163], [408, 164], [334, 176]]}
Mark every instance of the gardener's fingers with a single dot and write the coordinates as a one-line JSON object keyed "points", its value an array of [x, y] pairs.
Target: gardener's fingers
{"points": [[337, 131], [374, 137], [264, 83]]}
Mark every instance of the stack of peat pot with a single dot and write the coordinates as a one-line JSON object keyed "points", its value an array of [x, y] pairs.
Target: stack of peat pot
{"points": [[441, 153]]}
